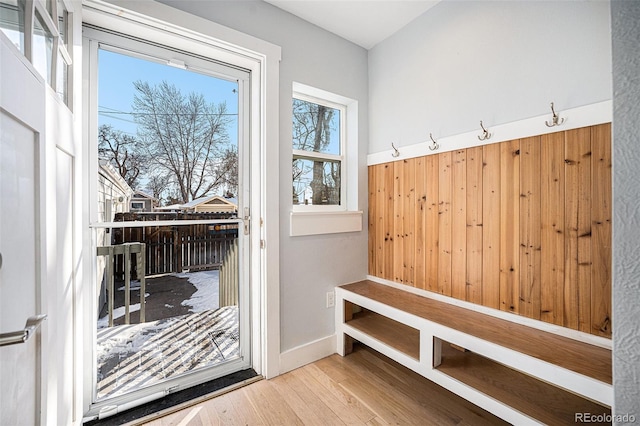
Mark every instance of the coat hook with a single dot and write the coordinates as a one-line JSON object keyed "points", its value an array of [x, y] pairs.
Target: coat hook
{"points": [[485, 133], [555, 120], [434, 145], [396, 153]]}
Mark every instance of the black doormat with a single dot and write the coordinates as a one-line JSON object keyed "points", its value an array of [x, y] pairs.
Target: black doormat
{"points": [[176, 398]]}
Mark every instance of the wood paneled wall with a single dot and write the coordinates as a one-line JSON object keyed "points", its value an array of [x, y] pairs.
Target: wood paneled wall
{"points": [[523, 226]]}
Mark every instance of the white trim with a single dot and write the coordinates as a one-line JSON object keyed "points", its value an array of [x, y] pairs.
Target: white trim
{"points": [[580, 336], [588, 115], [307, 353], [330, 222]]}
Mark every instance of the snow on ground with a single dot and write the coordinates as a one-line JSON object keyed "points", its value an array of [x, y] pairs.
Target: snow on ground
{"points": [[118, 342], [117, 313], [207, 295]]}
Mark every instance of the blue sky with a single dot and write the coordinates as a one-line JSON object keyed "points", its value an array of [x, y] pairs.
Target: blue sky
{"points": [[117, 72]]}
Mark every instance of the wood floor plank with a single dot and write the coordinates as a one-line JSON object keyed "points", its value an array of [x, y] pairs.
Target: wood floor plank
{"points": [[364, 388], [270, 404], [247, 414], [329, 401], [306, 405], [334, 389]]}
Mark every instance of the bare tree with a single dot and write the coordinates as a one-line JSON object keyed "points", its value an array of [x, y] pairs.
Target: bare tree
{"points": [[123, 152], [183, 135], [158, 184]]}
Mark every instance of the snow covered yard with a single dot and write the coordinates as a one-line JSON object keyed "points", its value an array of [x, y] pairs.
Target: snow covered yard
{"points": [[135, 355]]}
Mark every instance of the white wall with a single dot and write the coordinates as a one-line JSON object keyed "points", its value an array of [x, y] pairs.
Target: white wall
{"points": [[309, 266], [625, 17], [462, 62]]}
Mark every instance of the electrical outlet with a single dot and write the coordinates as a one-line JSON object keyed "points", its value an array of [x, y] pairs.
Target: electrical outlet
{"points": [[331, 299]]}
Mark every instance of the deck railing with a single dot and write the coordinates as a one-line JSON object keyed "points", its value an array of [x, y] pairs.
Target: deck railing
{"points": [[125, 250], [228, 288]]}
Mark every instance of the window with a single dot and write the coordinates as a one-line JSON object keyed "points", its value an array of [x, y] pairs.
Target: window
{"points": [[324, 163], [317, 152], [137, 205], [46, 45]]}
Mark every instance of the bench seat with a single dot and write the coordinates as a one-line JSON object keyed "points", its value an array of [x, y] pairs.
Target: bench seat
{"points": [[412, 329]]}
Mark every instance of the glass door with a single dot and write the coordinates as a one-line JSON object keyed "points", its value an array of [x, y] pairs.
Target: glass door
{"points": [[168, 218]]}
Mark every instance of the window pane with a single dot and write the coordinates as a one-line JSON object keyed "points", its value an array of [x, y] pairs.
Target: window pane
{"points": [[62, 72], [12, 21], [62, 23], [42, 48], [316, 182], [316, 127]]}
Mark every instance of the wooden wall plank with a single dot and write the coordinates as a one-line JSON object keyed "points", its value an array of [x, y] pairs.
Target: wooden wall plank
{"points": [[509, 226], [432, 222], [571, 228], [584, 233], [381, 214], [601, 230], [491, 226], [552, 230], [409, 209], [474, 226], [398, 223], [578, 224], [459, 223], [372, 217], [444, 223], [420, 234], [389, 221], [530, 265]]}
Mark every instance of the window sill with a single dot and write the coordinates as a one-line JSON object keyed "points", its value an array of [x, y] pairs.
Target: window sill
{"points": [[316, 223]]}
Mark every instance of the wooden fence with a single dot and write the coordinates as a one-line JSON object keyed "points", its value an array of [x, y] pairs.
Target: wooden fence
{"points": [[176, 248]]}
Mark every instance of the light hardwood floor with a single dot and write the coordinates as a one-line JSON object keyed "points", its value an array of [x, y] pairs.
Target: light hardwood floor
{"points": [[363, 388]]}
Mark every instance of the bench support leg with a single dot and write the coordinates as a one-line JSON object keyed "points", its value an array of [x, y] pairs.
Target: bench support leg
{"points": [[437, 352]]}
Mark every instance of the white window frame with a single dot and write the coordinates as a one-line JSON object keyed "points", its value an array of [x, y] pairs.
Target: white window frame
{"points": [[329, 219], [322, 156]]}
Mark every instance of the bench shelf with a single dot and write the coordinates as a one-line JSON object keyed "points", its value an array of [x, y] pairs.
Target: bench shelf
{"points": [[522, 374]]}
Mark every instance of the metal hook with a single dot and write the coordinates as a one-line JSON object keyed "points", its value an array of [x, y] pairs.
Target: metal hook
{"points": [[396, 153], [555, 120], [434, 145], [485, 133]]}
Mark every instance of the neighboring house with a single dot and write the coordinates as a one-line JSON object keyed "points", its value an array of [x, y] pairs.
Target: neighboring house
{"points": [[142, 202], [211, 204], [114, 194]]}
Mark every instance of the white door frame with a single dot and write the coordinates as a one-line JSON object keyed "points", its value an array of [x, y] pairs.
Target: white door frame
{"points": [[165, 25]]}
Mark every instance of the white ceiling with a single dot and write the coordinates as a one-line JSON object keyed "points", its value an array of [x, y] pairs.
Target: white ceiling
{"points": [[364, 22]]}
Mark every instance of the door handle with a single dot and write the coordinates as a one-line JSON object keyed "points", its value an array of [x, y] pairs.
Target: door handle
{"points": [[22, 336]]}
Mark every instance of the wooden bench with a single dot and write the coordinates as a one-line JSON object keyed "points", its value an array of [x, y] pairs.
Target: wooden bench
{"points": [[520, 373]]}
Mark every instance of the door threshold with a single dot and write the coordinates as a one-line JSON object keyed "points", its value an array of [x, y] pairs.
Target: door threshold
{"points": [[179, 400]]}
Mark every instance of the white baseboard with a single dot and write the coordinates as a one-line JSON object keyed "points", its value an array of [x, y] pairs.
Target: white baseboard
{"points": [[307, 353]]}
